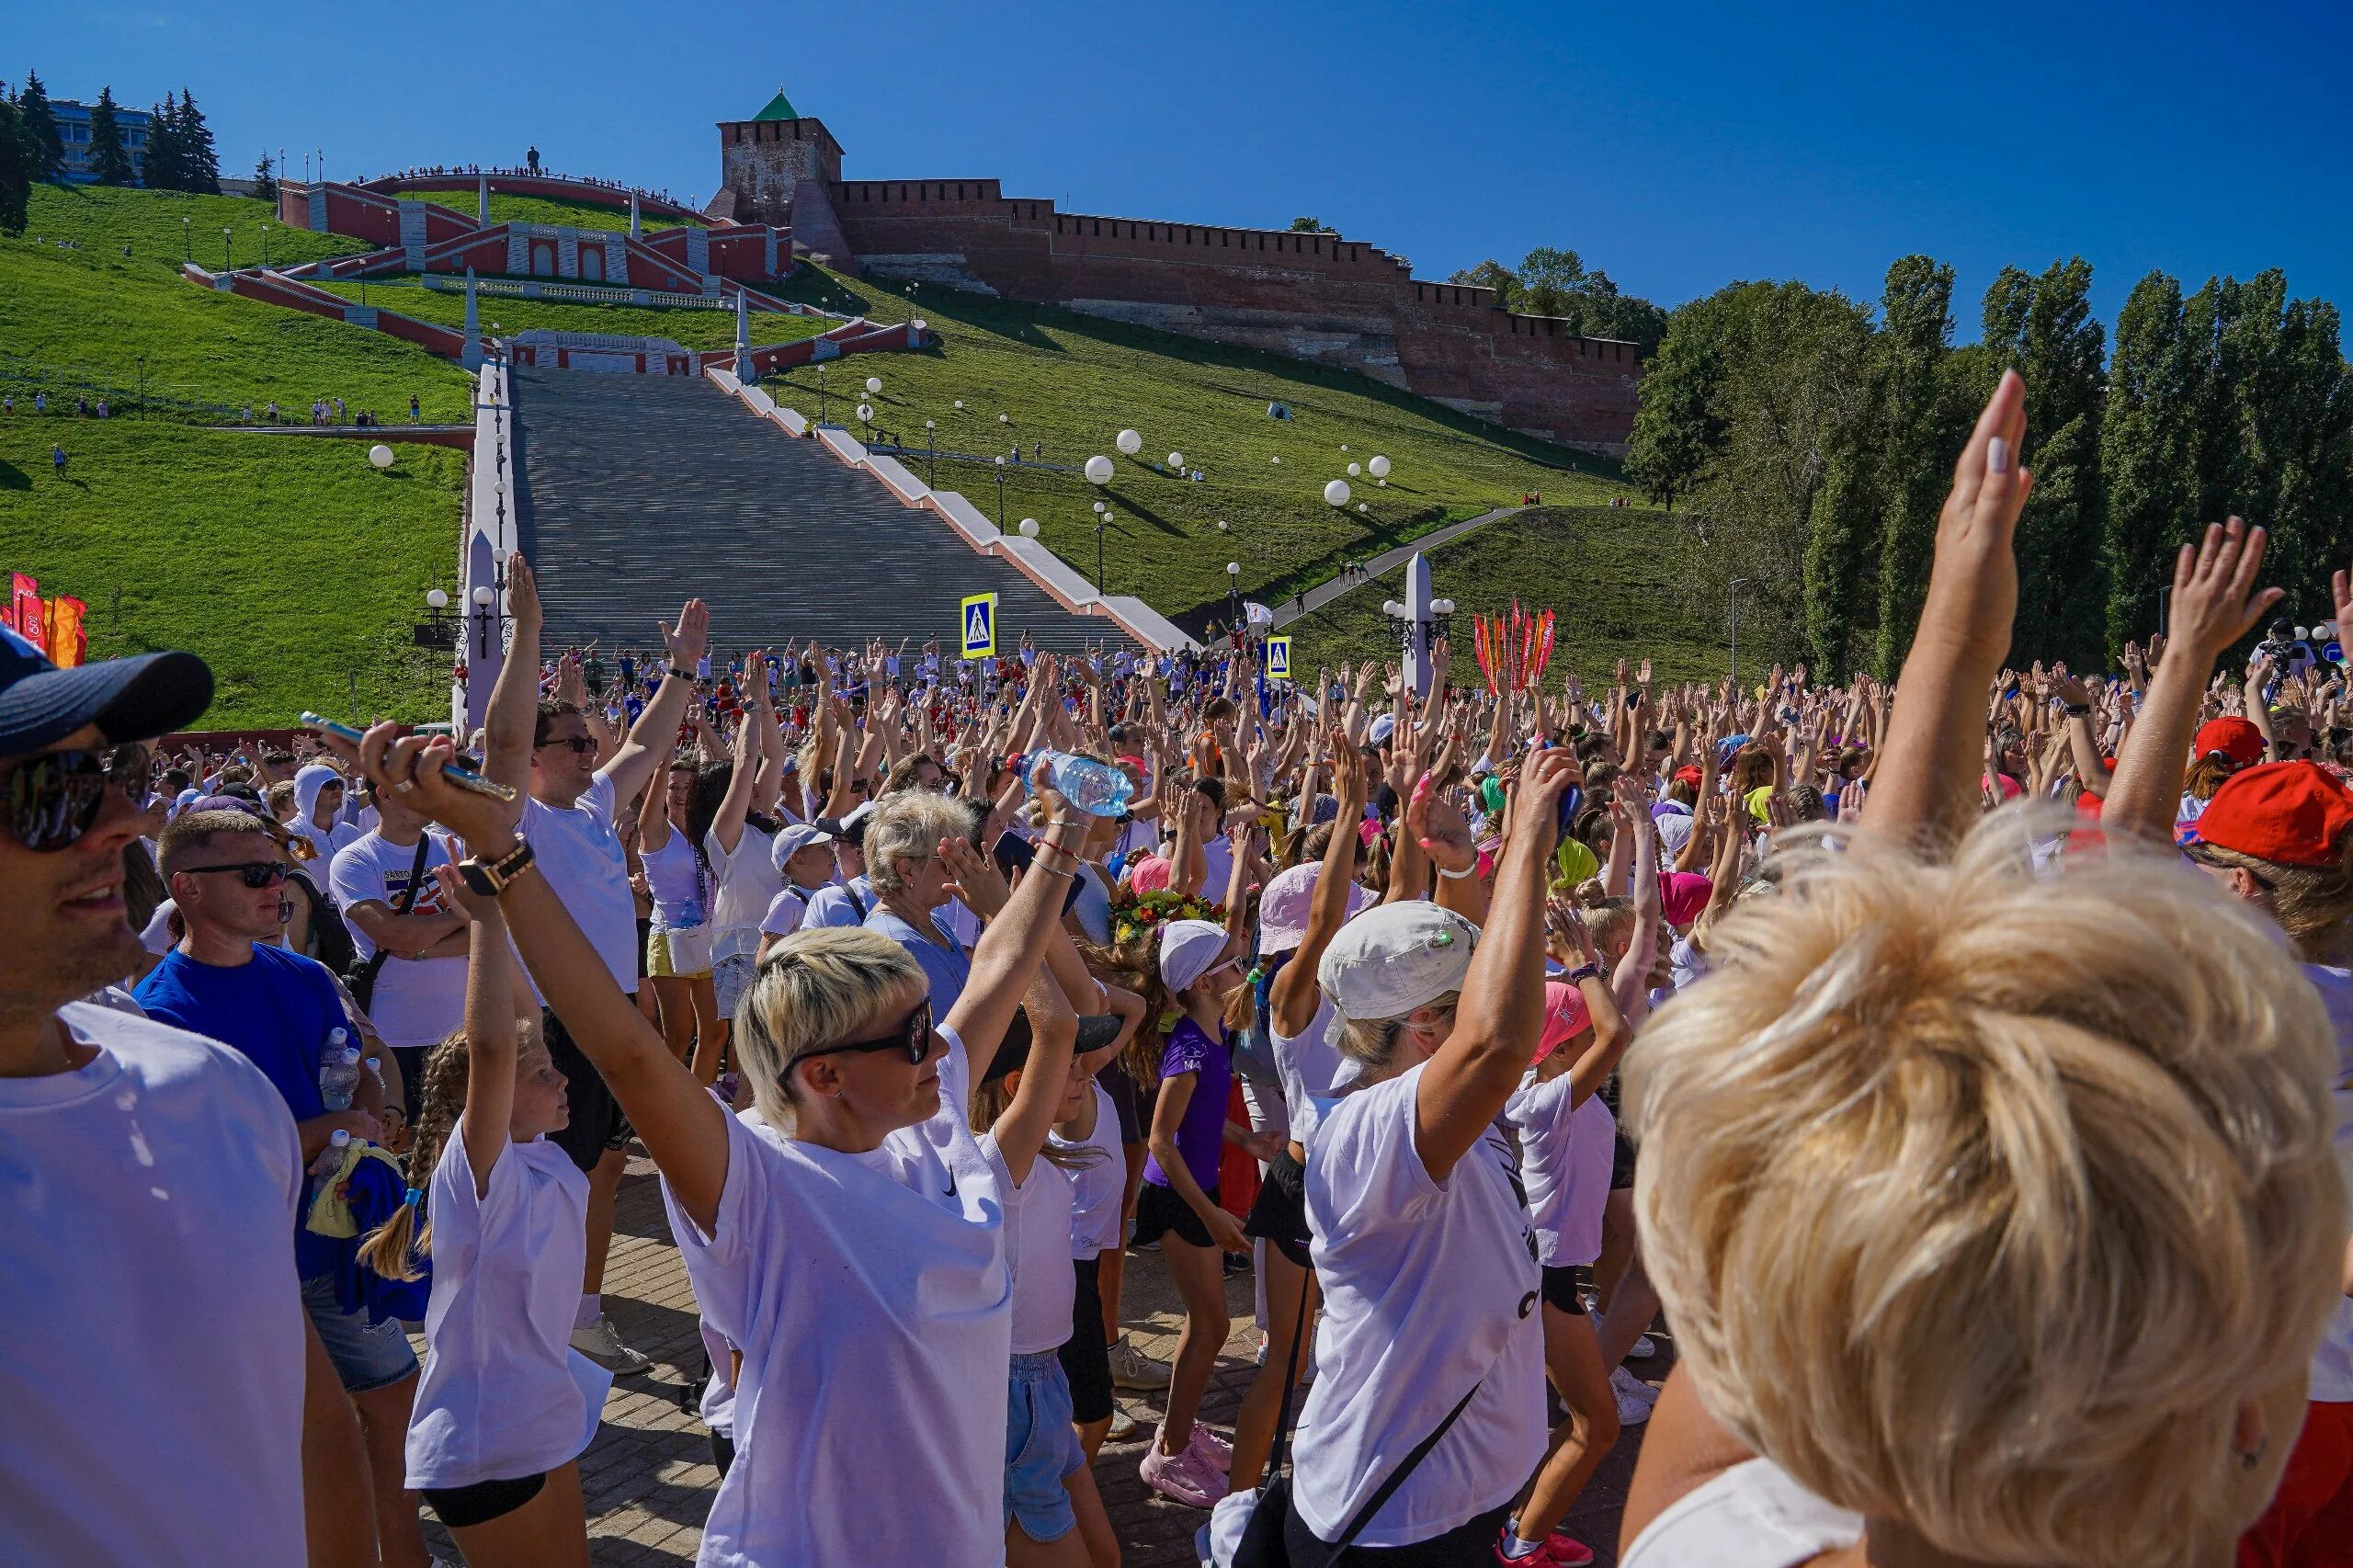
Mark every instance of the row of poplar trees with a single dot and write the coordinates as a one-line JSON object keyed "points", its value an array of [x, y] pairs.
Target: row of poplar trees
{"points": [[1804, 444]]}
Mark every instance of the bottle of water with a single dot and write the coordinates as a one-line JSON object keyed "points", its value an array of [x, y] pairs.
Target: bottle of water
{"points": [[1095, 787], [375, 1065], [330, 1159], [338, 1071]]}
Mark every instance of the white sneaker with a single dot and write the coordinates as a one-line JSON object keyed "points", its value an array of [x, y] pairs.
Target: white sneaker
{"points": [[1131, 1368], [1644, 1348], [603, 1346], [1632, 1408]]}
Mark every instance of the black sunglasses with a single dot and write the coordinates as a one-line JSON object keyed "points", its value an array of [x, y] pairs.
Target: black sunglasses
{"points": [[914, 1037], [258, 874], [580, 745], [53, 799]]}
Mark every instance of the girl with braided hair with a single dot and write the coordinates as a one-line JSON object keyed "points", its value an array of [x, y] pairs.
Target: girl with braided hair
{"points": [[501, 1415]]}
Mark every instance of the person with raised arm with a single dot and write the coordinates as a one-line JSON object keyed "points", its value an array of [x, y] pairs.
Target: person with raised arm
{"points": [[1912, 1064], [862, 1234], [1427, 1416], [545, 749]]}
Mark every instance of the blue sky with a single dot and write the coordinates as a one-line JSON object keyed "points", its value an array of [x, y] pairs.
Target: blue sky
{"points": [[1680, 147]]}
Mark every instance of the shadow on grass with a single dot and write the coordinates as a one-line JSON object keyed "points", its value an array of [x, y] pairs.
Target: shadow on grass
{"points": [[13, 478]]}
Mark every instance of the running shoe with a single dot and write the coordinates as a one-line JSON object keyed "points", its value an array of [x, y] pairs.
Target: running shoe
{"points": [[1131, 1368], [1557, 1550], [1643, 1349], [601, 1343], [1184, 1478], [1212, 1447], [1634, 1397]]}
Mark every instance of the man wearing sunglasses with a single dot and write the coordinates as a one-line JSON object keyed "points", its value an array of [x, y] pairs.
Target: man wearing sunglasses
{"points": [[150, 1178], [545, 748]]}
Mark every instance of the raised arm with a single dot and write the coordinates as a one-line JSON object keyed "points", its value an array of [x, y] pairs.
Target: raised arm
{"points": [[1466, 1081], [1021, 1131], [1009, 950], [1294, 997], [490, 1030], [651, 737], [511, 720], [1924, 791]]}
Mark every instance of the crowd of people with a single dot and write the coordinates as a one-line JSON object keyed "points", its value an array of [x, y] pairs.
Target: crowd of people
{"points": [[1958, 1074]]}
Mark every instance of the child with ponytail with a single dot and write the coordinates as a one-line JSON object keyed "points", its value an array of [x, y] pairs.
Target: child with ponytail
{"points": [[500, 1417]]}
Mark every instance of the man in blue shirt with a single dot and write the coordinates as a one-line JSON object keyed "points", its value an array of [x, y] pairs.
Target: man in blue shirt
{"points": [[229, 980]]}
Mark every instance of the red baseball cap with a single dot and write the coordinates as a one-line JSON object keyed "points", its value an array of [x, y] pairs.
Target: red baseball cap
{"points": [[2237, 739], [2289, 813], [1689, 774]]}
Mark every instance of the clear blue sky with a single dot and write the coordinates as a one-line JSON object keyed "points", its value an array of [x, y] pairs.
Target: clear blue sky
{"points": [[1680, 147]]}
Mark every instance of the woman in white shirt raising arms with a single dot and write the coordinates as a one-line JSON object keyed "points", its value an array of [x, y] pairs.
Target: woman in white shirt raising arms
{"points": [[857, 1251]]}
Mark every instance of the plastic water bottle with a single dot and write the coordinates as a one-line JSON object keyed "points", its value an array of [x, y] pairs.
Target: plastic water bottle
{"points": [[1095, 787], [330, 1159], [338, 1071], [375, 1065]]}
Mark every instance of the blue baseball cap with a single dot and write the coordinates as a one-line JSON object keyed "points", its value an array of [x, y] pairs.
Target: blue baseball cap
{"points": [[128, 700]]}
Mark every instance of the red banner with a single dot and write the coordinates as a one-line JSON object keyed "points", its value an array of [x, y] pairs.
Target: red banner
{"points": [[25, 612], [69, 639]]}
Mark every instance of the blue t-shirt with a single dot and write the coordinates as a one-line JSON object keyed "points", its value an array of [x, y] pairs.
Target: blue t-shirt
{"points": [[275, 1011], [947, 967], [1200, 1135]]}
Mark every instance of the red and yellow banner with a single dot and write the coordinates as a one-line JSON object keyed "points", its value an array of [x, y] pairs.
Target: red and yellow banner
{"points": [[26, 617], [69, 640]]}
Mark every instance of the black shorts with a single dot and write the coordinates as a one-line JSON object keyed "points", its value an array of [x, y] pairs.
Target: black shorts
{"points": [[1471, 1545], [1161, 1211], [1126, 1101], [1561, 1289], [596, 1124], [1086, 1359], [460, 1507], [1621, 1165], [1280, 1214], [644, 936]]}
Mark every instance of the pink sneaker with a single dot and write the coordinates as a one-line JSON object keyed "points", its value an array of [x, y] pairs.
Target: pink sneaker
{"points": [[1184, 1478], [1212, 1447], [1567, 1551]]}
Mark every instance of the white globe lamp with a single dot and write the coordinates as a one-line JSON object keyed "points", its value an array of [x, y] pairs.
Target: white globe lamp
{"points": [[873, 385], [1378, 468], [381, 455], [1129, 442], [1176, 459], [1099, 470], [1028, 527], [1336, 493], [437, 599], [865, 412], [481, 597], [1354, 469]]}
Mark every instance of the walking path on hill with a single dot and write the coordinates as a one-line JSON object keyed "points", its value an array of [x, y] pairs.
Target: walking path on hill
{"points": [[1331, 589], [649, 1481]]}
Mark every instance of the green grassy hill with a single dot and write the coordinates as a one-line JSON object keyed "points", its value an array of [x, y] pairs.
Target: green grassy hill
{"points": [[1603, 569], [1074, 383], [287, 561], [100, 218], [505, 208], [699, 329]]}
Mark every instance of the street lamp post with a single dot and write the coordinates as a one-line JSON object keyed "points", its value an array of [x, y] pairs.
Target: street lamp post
{"points": [[931, 452], [188, 242], [1000, 494], [1738, 583], [821, 391], [1101, 523], [142, 386], [224, 250], [1234, 596]]}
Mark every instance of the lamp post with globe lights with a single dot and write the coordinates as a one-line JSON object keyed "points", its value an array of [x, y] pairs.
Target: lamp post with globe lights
{"points": [[439, 628], [1233, 598], [866, 417], [931, 452], [1000, 494]]}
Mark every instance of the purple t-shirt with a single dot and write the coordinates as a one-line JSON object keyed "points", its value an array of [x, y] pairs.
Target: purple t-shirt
{"points": [[1201, 1137]]}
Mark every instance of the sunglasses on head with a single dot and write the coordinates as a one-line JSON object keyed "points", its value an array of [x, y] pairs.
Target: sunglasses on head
{"points": [[53, 799], [258, 874], [913, 1037], [580, 745]]}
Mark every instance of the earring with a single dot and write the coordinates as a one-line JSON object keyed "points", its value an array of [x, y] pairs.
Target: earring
{"points": [[2248, 1460]]}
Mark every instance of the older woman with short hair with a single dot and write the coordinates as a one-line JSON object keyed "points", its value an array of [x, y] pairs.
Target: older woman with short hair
{"points": [[914, 843]]}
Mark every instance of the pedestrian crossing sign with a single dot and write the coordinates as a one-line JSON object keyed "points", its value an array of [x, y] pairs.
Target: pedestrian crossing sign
{"points": [[1279, 658], [980, 626]]}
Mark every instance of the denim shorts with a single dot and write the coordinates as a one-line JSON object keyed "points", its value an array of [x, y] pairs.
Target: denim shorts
{"points": [[1040, 1448], [364, 1357]]}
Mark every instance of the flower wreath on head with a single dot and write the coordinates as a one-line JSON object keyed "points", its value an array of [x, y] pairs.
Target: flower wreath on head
{"points": [[1134, 914]]}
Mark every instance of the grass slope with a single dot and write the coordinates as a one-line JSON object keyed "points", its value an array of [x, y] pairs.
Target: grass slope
{"points": [[505, 208], [287, 561], [1074, 381], [101, 218], [1600, 567], [699, 329]]}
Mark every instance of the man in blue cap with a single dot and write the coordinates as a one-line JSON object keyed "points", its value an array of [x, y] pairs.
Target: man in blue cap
{"points": [[149, 1178]]}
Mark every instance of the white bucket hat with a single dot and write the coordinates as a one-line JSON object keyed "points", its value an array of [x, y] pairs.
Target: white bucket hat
{"points": [[1390, 960], [1187, 949]]}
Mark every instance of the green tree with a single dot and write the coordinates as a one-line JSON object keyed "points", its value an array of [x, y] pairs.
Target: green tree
{"points": [[266, 180], [18, 157], [2044, 327], [1489, 273], [41, 125], [109, 164], [199, 159], [1311, 226], [1911, 381], [1677, 428], [163, 163], [2148, 453]]}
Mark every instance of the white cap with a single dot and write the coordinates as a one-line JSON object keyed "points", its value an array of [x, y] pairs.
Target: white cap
{"points": [[1382, 726], [340, 1137], [793, 840], [350, 1054], [1187, 947], [1282, 910], [1390, 960]]}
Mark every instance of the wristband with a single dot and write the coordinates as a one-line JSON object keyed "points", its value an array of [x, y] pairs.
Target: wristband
{"points": [[1455, 876], [682, 675], [491, 878], [1582, 972], [2077, 709]]}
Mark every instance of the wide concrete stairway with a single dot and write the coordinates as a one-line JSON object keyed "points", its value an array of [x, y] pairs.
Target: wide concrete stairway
{"points": [[639, 492]]}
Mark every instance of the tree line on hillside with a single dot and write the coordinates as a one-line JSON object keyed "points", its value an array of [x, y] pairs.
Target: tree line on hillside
{"points": [[1551, 282], [1804, 447], [179, 155]]}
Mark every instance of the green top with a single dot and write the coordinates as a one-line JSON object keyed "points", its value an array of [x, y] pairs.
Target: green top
{"points": [[779, 107]]}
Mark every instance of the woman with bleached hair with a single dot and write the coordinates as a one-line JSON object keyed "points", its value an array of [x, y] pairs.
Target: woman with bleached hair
{"points": [[1994, 1211]]}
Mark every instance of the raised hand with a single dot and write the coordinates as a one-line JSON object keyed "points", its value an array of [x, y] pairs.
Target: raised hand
{"points": [[2215, 599], [522, 591], [974, 878], [689, 640]]}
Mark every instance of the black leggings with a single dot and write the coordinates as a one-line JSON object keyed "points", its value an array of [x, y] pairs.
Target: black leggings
{"points": [[1471, 1545], [461, 1507]]}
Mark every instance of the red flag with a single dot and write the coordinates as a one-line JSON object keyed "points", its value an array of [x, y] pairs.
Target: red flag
{"points": [[25, 612], [69, 639]]}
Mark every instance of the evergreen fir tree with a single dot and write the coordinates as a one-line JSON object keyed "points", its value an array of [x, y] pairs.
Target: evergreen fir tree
{"points": [[2147, 442], [200, 160], [163, 165], [17, 154], [1909, 385], [41, 126], [109, 164], [266, 180]]}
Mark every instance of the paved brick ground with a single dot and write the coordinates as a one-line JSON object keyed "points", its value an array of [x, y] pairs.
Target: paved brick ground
{"points": [[649, 1479]]}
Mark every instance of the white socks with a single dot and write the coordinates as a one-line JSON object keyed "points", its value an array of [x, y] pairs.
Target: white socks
{"points": [[591, 1308]]}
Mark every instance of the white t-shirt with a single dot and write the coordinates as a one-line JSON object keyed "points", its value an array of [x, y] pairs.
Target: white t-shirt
{"points": [[581, 857], [748, 883], [416, 1001], [1547, 1126], [2333, 1362], [151, 1375], [871, 1299], [1098, 1189], [842, 904], [497, 1398], [1753, 1516], [1036, 1246], [1430, 1289], [675, 879], [1308, 1065], [328, 841]]}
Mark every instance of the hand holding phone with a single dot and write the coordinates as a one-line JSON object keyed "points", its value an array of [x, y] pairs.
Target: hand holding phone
{"points": [[465, 778]]}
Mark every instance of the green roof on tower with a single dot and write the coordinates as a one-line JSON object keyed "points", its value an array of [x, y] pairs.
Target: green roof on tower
{"points": [[779, 107]]}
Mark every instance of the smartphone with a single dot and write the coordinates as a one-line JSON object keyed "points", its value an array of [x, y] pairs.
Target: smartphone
{"points": [[465, 778]]}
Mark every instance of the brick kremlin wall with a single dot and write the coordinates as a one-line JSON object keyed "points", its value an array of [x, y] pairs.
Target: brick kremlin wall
{"points": [[1320, 298]]}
